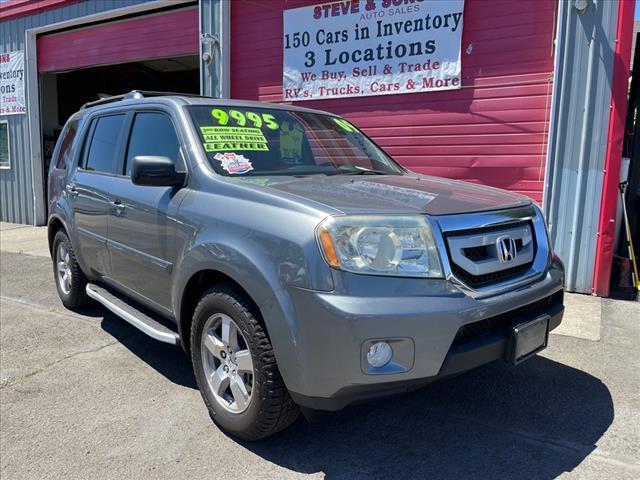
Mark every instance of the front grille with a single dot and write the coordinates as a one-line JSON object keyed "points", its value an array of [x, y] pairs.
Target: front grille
{"points": [[481, 252], [476, 253], [501, 324], [473, 256], [488, 278]]}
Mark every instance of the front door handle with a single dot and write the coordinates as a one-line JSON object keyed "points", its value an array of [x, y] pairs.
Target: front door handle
{"points": [[117, 208], [71, 190]]}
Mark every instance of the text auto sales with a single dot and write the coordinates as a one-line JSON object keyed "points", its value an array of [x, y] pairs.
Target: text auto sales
{"points": [[383, 28]]}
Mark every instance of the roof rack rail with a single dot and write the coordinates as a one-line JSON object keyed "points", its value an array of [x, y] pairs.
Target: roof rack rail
{"points": [[113, 98], [151, 93], [134, 94]]}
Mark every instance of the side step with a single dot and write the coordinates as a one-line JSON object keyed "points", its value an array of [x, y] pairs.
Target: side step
{"points": [[127, 311]]}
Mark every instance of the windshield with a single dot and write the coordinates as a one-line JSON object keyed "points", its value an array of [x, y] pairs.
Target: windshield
{"points": [[242, 141]]}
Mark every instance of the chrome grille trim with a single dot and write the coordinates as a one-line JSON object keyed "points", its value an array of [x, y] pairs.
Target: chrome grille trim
{"points": [[448, 225], [459, 243]]}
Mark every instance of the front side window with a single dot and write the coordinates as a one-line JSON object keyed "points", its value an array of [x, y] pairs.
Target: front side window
{"points": [[102, 152], [242, 141], [152, 134]]}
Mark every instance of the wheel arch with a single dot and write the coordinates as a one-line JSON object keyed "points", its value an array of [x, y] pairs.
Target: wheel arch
{"points": [[55, 223], [196, 285]]}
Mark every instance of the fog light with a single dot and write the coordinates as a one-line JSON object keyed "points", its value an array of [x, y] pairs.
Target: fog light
{"points": [[379, 354]]}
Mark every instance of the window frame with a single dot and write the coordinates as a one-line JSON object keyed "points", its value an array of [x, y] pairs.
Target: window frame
{"points": [[181, 165], [8, 165]]}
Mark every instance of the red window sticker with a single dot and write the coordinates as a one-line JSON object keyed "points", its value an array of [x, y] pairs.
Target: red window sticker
{"points": [[233, 163]]}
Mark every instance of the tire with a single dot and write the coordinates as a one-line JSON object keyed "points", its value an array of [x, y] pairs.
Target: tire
{"points": [[267, 408], [70, 281]]}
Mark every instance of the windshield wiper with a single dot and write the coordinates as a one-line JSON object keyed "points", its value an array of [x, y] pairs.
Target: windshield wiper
{"points": [[366, 171]]}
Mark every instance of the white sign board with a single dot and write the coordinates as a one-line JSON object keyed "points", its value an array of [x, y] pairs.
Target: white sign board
{"points": [[12, 83], [358, 48]]}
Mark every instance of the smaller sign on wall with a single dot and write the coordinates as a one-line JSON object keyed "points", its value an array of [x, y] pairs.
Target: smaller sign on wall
{"points": [[12, 96], [358, 48], [5, 153]]}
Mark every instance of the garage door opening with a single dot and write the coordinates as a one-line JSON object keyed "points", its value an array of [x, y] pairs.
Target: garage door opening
{"points": [[63, 93], [158, 51]]}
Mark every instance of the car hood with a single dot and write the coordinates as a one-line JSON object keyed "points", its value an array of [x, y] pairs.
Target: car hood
{"points": [[396, 194]]}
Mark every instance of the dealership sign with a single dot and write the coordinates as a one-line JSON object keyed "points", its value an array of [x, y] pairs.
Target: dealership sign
{"points": [[357, 48], [12, 83]]}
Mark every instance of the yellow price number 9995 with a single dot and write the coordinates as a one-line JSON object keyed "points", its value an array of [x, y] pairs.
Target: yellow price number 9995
{"points": [[241, 119]]}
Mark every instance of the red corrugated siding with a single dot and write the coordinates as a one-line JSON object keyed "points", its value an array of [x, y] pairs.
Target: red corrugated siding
{"points": [[492, 131], [10, 9], [153, 36]]}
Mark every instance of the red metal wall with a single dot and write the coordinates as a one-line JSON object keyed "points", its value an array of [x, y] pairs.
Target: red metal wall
{"points": [[163, 35], [492, 131], [21, 8]]}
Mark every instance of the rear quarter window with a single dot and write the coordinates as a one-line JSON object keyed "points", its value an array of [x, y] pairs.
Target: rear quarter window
{"points": [[65, 151]]}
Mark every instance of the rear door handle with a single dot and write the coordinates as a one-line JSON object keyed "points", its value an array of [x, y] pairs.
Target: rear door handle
{"points": [[117, 208], [71, 190]]}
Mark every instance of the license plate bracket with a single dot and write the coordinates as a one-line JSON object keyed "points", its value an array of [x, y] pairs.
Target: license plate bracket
{"points": [[527, 339]]}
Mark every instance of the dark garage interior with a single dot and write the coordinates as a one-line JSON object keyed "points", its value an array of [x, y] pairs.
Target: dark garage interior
{"points": [[63, 93]]}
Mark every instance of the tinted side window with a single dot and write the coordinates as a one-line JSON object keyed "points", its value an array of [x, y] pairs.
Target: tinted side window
{"points": [[152, 134], [102, 153], [66, 142]]}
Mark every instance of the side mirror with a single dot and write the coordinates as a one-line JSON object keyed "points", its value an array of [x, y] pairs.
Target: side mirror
{"points": [[156, 172]]}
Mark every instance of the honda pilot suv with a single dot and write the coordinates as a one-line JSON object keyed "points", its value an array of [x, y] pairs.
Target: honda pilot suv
{"points": [[299, 266]]}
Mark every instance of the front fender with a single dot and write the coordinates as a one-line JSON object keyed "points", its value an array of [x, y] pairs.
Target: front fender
{"points": [[251, 265]]}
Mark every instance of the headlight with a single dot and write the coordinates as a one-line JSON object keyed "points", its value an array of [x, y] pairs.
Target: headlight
{"points": [[398, 246]]}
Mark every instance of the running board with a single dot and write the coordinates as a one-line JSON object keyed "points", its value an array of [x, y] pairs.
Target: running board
{"points": [[125, 310]]}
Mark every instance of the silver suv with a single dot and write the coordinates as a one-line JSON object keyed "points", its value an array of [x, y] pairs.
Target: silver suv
{"points": [[298, 265]]}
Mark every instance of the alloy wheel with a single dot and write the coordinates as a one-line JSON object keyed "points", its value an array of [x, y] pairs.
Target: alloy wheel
{"points": [[63, 268], [227, 363]]}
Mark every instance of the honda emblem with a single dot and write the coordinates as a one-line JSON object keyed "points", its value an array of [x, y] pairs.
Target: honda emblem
{"points": [[506, 249]]}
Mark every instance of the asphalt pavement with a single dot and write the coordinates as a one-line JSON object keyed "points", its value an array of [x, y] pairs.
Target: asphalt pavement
{"points": [[84, 395]]}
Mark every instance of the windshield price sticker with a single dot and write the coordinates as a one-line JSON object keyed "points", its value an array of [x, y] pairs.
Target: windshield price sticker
{"points": [[345, 125], [251, 119], [232, 134], [220, 146], [233, 138], [291, 139]]}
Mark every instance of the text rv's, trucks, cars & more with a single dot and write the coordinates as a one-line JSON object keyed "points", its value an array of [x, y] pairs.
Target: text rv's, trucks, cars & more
{"points": [[293, 260]]}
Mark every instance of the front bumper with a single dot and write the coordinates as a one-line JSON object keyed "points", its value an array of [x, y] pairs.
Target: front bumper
{"points": [[436, 317]]}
